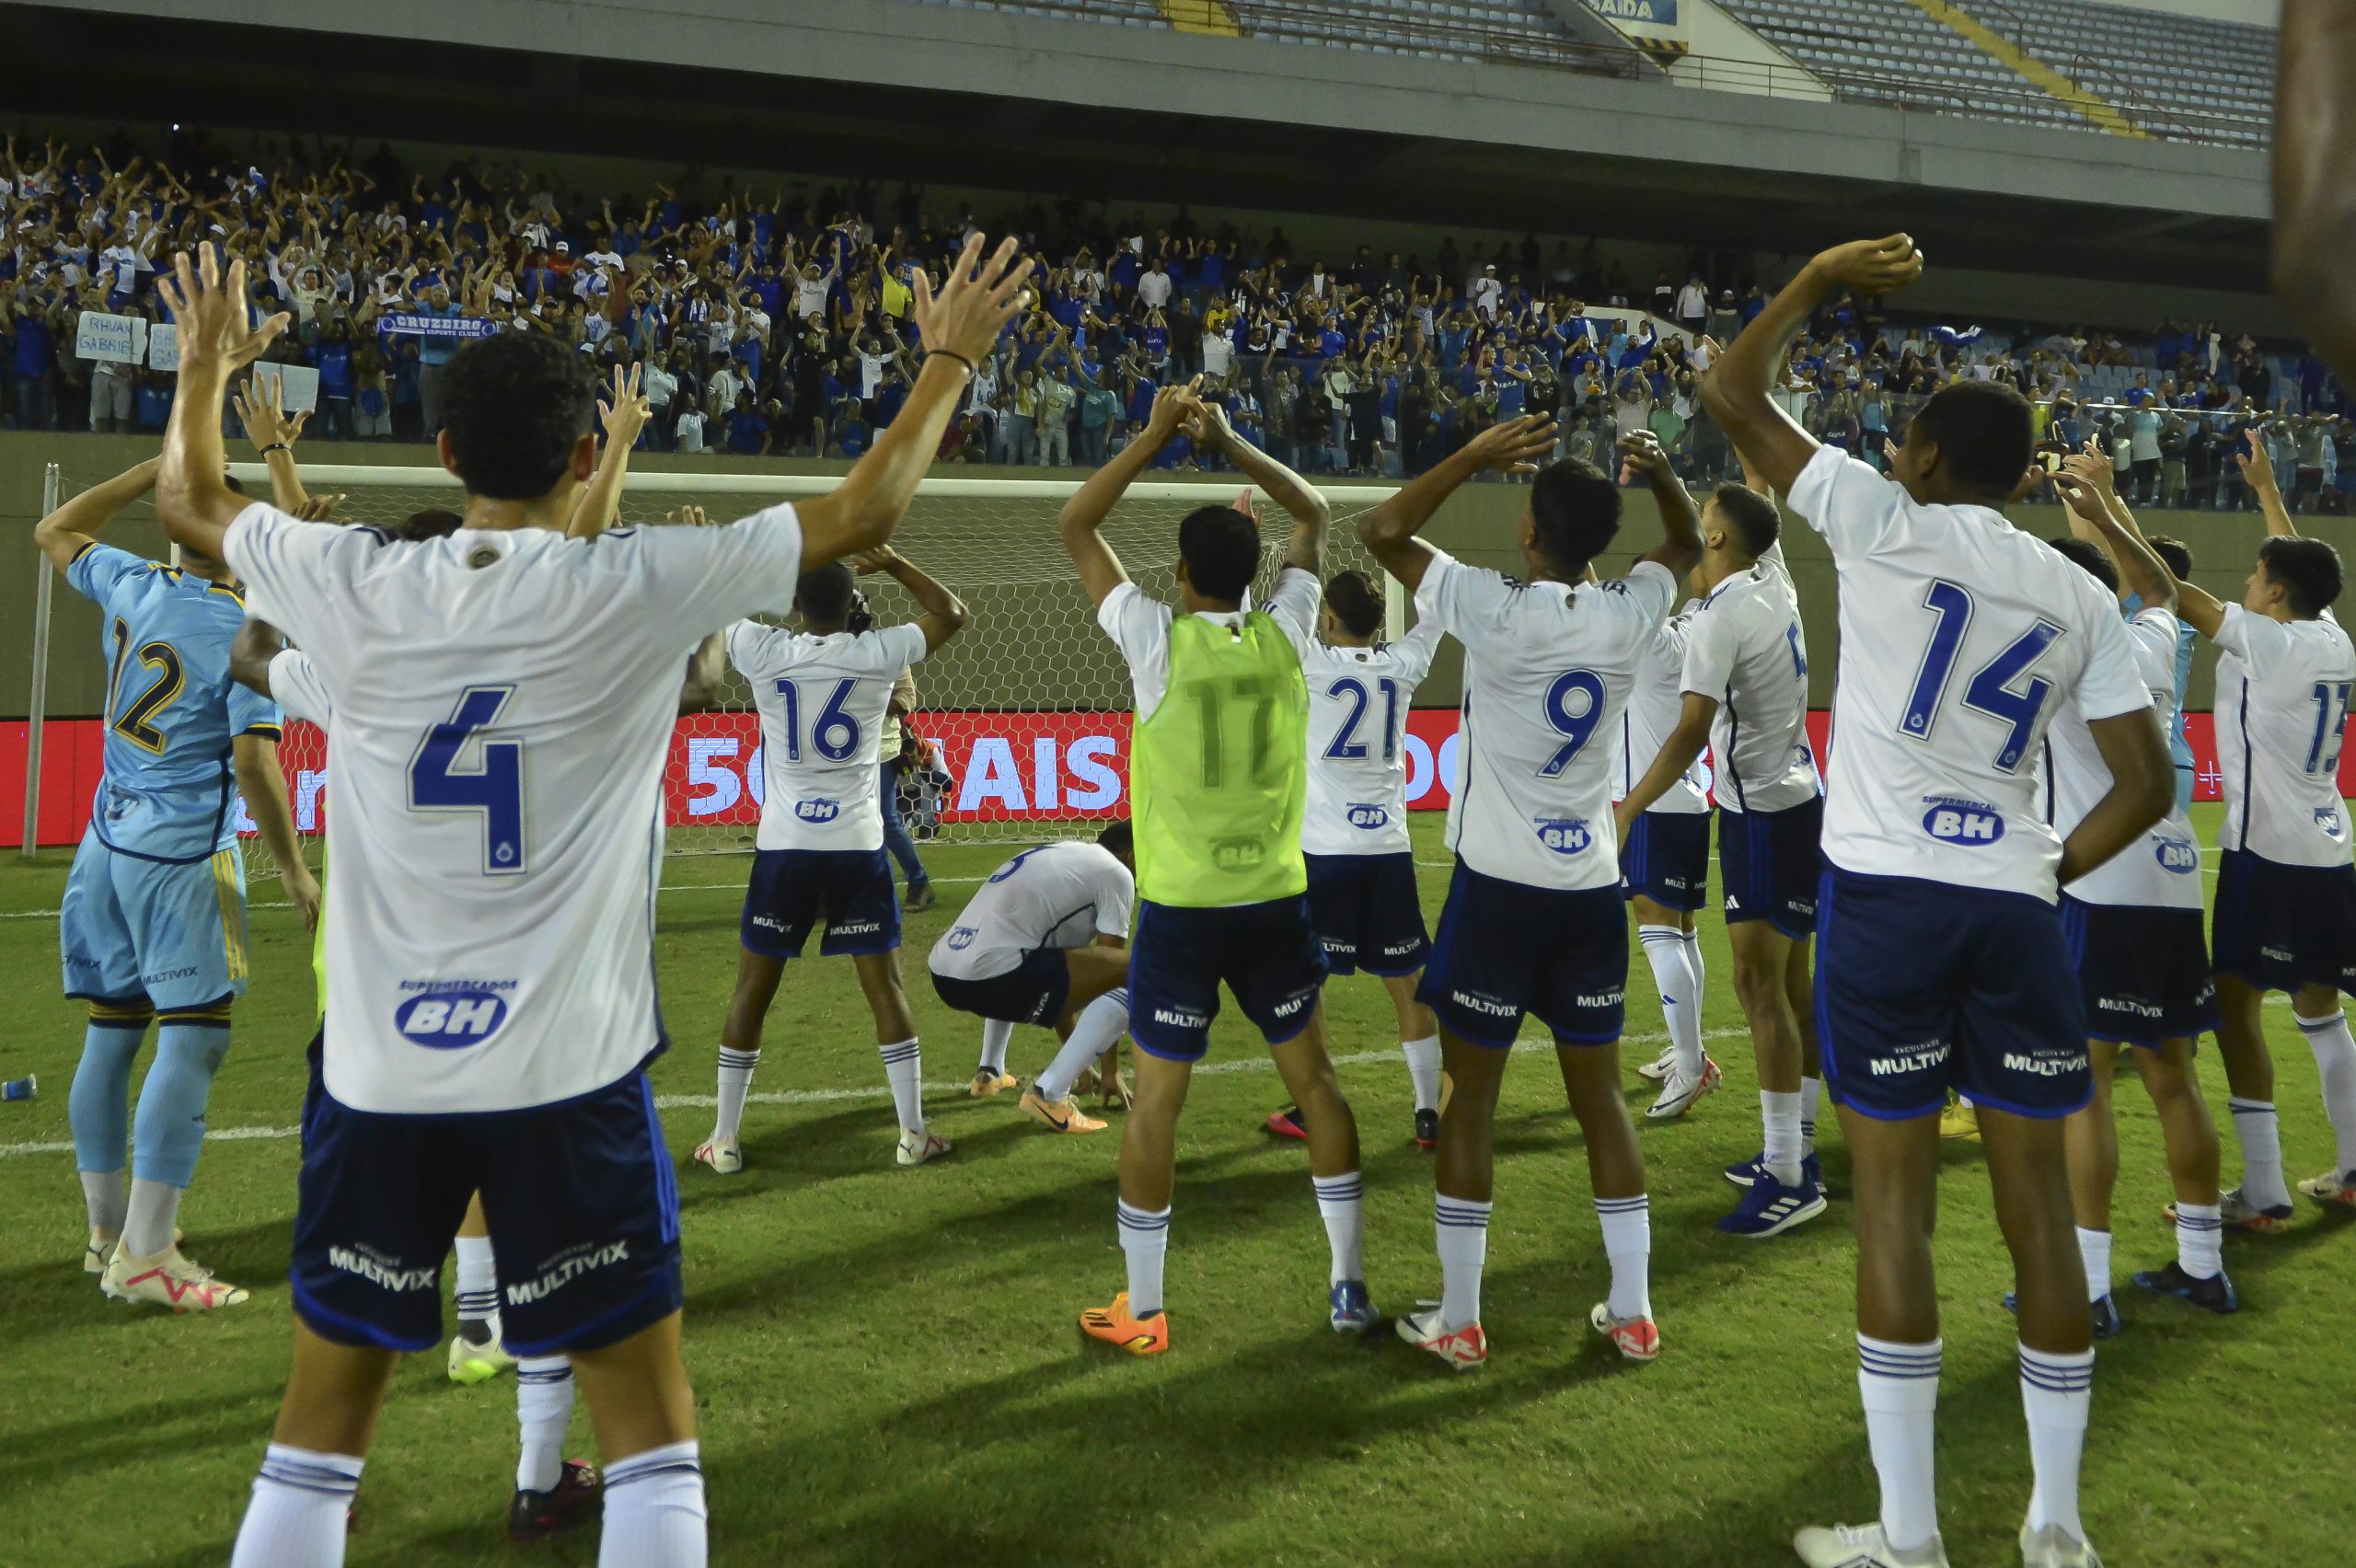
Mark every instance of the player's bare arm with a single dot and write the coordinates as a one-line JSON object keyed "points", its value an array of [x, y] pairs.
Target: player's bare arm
{"points": [[2314, 184], [73, 527], [1388, 532], [1309, 513], [2143, 788], [1738, 389], [960, 325], [254, 760], [944, 613], [256, 644], [1083, 515], [1680, 520], [262, 412], [1676, 753], [2258, 472], [600, 506], [217, 339], [2099, 517]]}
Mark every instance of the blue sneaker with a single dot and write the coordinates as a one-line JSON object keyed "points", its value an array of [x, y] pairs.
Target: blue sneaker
{"points": [[1770, 1208], [2108, 1324], [1352, 1310], [2215, 1294], [1743, 1172]]}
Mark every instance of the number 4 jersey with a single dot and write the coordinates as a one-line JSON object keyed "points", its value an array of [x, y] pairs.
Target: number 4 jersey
{"points": [[1960, 636], [821, 701], [503, 704]]}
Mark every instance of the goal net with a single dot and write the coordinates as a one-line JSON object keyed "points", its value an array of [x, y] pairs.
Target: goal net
{"points": [[1022, 726]]}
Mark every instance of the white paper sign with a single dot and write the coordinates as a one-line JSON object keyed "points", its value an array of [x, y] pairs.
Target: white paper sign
{"points": [[298, 385], [163, 346], [123, 339]]}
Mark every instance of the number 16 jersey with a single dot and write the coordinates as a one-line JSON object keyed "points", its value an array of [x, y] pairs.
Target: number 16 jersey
{"points": [[822, 702]]}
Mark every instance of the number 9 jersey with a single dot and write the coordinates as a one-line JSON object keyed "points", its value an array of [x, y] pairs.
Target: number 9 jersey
{"points": [[1548, 667]]}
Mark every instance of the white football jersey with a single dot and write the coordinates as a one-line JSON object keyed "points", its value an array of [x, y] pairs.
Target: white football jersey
{"points": [[1960, 636], [1656, 704], [295, 687], [1548, 667], [2161, 870], [1359, 699], [822, 702], [1059, 895], [2282, 691], [502, 705], [1745, 650]]}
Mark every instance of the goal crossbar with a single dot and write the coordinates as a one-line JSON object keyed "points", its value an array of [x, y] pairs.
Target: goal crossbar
{"points": [[331, 476]]}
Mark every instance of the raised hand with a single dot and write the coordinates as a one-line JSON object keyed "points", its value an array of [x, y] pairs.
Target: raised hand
{"points": [[268, 423], [1515, 445], [688, 516], [976, 300], [2079, 492], [1173, 407], [2257, 468], [1872, 266], [883, 558], [628, 413], [319, 508], [1641, 453], [216, 331]]}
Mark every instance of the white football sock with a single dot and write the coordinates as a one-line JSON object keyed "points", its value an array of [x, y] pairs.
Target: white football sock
{"points": [[1423, 1069], [1340, 1202], [298, 1511], [477, 1287], [2335, 1052], [996, 1034], [2093, 1249], [1811, 1092], [735, 1082], [1779, 1114], [543, 1411], [1693, 958], [1100, 1025], [105, 1194], [904, 1069], [1463, 1227], [1900, 1385], [1628, 1242], [1145, 1243], [150, 1218], [2260, 1135], [1680, 1000], [2055, 1393], [654, 1511], [2200, 1240]]}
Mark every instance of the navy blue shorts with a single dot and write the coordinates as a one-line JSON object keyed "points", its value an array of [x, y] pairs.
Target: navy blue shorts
{"points": [[2280, 928], [1367, 913], [583, 1202], [1263, 951], [1507, 949], [1034, 991], [1667, 859], [1923, 986], [1771, 864], [2142, 972], [849, 891]]}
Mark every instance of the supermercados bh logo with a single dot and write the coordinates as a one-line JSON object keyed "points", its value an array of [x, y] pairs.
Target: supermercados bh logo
{"points": [[2179, 855], [1969, 823], [1368, 817], [1564, 836], [2331, 820], [817, 811], [449, 1015]]}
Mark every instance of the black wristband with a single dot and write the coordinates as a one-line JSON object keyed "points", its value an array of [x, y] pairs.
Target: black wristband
{"points": [[971, 368], [276, 446]]}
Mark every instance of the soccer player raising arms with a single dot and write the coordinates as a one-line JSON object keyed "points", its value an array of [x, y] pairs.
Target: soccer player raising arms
{"points": [[1941, 961], [1533, 922], [503, 698], [1218, 771]]}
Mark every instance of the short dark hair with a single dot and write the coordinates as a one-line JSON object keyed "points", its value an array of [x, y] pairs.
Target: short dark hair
{"points": [[1575, 510], [1221, 548], [1119, 837], [2307, 571], [1750, 517], [2175, 554], [2073, 548], [1352, 598], [824, 595], [431, 523], [514, 406], [1981, 429]]}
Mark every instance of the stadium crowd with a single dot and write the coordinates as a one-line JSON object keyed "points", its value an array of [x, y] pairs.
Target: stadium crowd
{"points": [[782, 324]]}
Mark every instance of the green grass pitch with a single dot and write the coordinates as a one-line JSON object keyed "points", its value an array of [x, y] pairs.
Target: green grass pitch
{"points": [[889, 1371]]}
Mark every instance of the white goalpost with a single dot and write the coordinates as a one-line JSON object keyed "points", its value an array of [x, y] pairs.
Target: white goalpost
{"points": [[1023, 720]]}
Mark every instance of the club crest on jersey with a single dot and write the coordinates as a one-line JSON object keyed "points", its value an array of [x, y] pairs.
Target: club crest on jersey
{"points": [[963, 937], [2328, 819], [1368, 817], [1564, 836], [817, 811], [451, 1020], [2179, 855], [1971, 824]]}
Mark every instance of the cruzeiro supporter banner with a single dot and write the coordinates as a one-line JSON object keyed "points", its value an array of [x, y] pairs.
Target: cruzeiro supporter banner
{"points": [[1003, 768], [435, 326]]}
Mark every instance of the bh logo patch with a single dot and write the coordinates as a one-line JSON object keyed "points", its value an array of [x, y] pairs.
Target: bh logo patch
{"points": [[1368, 817], [2327, 818], [1969, 823], [817, 811], [451, 1020], [2179, 855], [1564, 836]]}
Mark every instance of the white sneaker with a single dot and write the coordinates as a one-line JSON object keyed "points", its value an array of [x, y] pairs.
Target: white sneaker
{"points": [[918, 1147], [1659, 1068], [721, 1154], [99, 1253], [2054, 1547], [1679, 1093], [471, 1363], [1862, 1546], [167, 1279]]}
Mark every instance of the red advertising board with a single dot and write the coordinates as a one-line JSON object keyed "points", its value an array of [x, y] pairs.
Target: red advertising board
{"points": [[1009, 766]]}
